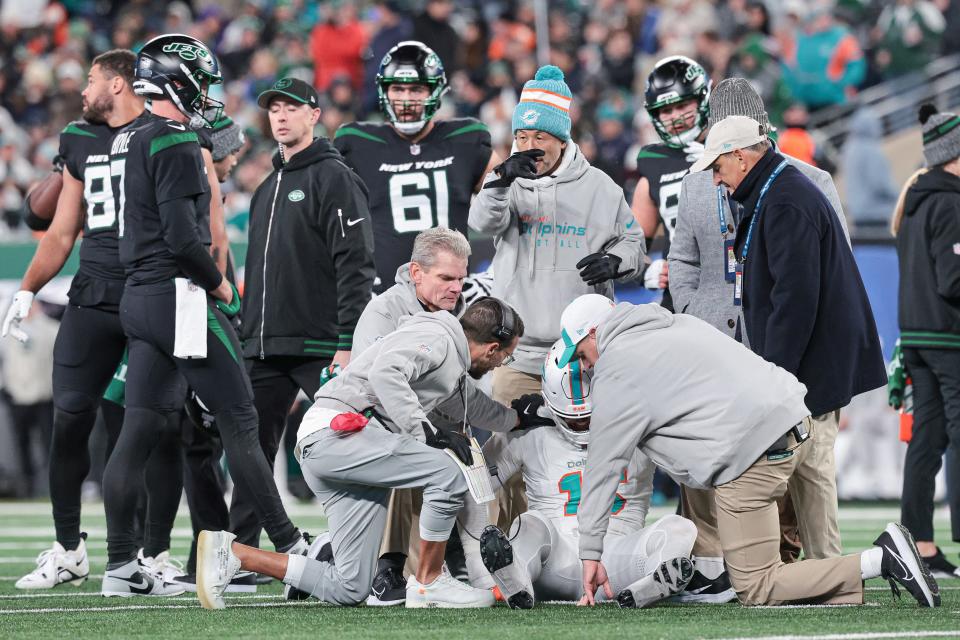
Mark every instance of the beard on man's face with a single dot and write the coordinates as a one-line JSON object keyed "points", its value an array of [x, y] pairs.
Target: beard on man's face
{"points": [[98, 111]]}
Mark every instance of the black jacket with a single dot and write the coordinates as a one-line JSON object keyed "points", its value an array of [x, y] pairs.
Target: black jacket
{"points": [[804, 304], [309, 269], [928, 246]]}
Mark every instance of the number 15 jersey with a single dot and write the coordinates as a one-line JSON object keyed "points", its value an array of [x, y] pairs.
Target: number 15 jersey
{"points": [[414, 187]]}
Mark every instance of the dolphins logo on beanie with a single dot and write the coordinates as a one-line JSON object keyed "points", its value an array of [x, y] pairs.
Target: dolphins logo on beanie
{"points": [[545, 104]]}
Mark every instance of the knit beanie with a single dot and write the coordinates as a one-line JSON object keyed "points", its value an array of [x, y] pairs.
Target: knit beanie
{"points": [[545, 104], [227, 138], [941, 135], [737, 97]]}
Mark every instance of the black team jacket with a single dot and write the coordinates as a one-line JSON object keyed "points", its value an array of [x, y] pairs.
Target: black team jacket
{"points": [[309, 269]]}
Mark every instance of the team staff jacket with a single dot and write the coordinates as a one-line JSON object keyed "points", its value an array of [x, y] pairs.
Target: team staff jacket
{"points": [[804, 304], [928, 245], [309, 269]]}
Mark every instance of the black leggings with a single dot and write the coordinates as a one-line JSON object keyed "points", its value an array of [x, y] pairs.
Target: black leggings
{"points": [[156, 388]]}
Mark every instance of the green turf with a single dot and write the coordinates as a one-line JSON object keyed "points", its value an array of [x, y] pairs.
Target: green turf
{"points": [[71, 612]]}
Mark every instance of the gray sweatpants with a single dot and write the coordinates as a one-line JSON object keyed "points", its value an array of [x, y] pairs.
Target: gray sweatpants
{"points": [[352, 475]]}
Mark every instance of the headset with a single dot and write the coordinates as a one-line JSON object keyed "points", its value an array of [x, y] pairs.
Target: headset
{"points": [[505, 330]]}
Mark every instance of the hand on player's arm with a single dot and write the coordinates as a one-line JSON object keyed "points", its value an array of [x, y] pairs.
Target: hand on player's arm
{"points": [[529, 409], [219, 243], [594, 577]]}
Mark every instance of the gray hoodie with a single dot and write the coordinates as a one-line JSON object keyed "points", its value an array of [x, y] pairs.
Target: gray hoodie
{"points": [[717, 409], [382, 314], [409, 373], [542, 228]]}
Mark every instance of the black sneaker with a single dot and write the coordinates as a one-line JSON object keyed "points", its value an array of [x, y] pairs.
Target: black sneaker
{"points": [[243, 582], [389, 588], [497, 555], [702, 589], [902, 563], [320, 549], [940, 567], [668, 579]]}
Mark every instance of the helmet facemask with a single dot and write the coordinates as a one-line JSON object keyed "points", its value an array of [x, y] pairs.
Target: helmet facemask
{"points": [[683, 138], [194, 100], [429, 106], [566, 392]]}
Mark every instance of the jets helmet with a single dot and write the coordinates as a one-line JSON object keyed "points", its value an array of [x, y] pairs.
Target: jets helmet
{"points": [[411, 62], [181, 69], [676, 79], [566, 391]]}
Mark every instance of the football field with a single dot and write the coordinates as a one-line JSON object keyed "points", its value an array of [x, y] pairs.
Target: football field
{"points": [[71, 612]]}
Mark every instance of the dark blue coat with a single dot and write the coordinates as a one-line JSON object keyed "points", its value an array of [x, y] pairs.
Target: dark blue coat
{"points": [[804, 304]]}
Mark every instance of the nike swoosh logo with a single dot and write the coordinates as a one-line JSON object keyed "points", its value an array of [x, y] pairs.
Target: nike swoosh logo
{"points": [[178, 127], [144, 587], [350, 223]]}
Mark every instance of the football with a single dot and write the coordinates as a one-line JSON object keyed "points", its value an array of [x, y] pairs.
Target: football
{"points": [[43, 199]]}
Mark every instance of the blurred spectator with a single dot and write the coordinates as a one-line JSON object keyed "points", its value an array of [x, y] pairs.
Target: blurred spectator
{"points": [[392, 27], [680, 23], [612, 139], [337, 44], [28, 381], [870, 191], [432, 28], [618, 59], [796, 141], [827, 65], [755, 59], [908, 36]]}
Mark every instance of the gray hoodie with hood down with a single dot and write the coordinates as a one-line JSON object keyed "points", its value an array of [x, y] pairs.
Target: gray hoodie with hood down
{"points": [[718, 410], [542, 228], [409, 373]]}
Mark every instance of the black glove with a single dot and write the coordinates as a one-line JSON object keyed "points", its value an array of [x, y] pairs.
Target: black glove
{"points": [[201, 417], [443, 439], [522, 164], [526, 408], [600, 267]]}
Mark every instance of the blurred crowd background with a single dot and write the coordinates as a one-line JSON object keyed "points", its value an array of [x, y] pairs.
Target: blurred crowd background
{"points": [[803, 55]]}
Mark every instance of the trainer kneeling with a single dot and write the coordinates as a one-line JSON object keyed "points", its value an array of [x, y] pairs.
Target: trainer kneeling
{"points": [[722, 418], [368, 433]]}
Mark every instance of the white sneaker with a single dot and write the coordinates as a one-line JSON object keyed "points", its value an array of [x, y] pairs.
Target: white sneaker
{"points": [[56, 566], [669, 579], [135, 579], [163, 565], [446, 592], [216, 567]]}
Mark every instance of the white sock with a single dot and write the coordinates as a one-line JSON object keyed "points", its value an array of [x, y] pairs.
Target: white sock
{"points": [[710, 567], [870, 561], [295, 566]]}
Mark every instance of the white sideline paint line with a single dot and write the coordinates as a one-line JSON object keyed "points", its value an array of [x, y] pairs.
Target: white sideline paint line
{"points": [[859, 636], [812, 606], [149, 607], [90, 577], [96, 594]]}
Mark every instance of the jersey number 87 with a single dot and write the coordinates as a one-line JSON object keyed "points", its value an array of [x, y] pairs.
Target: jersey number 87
{"points": [[102, 207]]}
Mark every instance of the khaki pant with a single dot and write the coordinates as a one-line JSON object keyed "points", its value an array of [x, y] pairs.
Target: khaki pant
{"points": [[508, 385], [749, 528], [699, 506], [402, 533], [813, 488]]}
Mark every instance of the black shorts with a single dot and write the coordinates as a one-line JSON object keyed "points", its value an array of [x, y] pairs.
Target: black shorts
{"points": [[89, 346], [158, 381]]}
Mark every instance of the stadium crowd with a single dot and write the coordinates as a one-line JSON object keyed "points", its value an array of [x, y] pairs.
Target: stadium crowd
{"points": [[810, 54]]}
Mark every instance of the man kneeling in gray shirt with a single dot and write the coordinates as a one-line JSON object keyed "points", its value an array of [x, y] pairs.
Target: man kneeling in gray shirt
{"points": [[724, 418], [352, 465]]}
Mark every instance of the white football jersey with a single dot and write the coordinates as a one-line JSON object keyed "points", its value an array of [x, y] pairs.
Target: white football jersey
{"points": [[552, 470]]}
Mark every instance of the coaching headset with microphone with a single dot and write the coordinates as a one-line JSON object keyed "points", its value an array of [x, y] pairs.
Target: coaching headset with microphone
{"points": [[505, 330]]}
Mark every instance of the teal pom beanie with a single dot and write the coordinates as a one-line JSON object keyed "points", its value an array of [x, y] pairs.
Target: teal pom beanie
{"points": [[545, 104]]}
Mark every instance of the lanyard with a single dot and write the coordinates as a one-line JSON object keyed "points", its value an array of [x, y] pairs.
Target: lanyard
{"points": [[757, 209], [720, 214]]}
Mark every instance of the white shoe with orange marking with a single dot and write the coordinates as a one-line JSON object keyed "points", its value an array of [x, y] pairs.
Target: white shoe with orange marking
{"points": [[446, 592]]}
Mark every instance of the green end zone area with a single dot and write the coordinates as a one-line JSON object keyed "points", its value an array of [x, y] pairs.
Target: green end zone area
{"points": [[72, 612]]}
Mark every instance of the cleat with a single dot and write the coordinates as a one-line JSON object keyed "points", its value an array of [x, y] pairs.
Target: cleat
{"points": [[703, 590], [136, 579], [668, 579], [940, 567], [162, 564], [320, 549], [497, 555], [216, 567], [389, 588], [58, 566], [902, 563], [445, 592]]}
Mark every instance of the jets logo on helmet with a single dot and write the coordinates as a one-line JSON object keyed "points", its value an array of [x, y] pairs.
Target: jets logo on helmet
{"points": [[411, 62], [181, 69], [566, 391], [673, 80]]}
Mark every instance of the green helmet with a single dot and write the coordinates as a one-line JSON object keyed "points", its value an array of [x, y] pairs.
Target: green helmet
{"points": [[411, 62], [674, 80]]}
